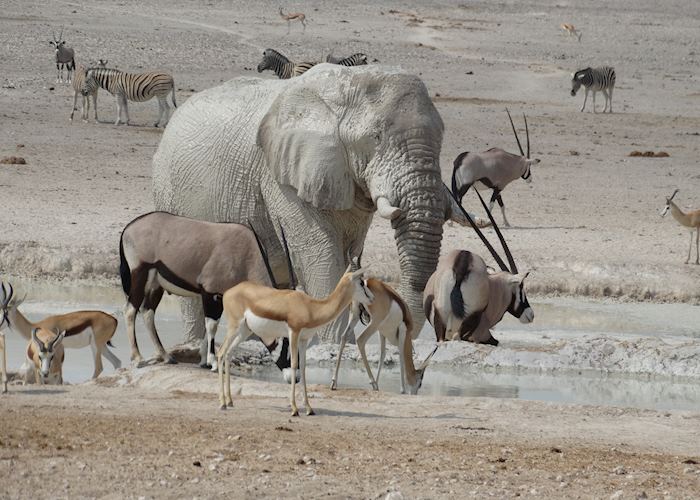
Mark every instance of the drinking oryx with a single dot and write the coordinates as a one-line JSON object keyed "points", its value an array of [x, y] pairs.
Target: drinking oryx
{"points": [[65, 56], [595, 79], [493, 168], [463, 300], [690, 220]]}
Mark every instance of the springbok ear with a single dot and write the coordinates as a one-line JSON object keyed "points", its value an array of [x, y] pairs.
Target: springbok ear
{"points": [[300, 140]]}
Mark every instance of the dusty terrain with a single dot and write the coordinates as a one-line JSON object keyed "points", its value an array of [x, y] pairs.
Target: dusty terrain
{"points": [[589, 226], [97, 441]]}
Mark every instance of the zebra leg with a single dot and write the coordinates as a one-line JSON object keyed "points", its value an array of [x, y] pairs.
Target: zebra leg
{"points": [[610, 97], [75, 102], [94, 105], [585, 98], [119, 110], [594, 92], [125, 106]]}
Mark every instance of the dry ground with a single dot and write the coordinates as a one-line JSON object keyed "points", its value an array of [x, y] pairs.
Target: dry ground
{"points": [[127, 442]]}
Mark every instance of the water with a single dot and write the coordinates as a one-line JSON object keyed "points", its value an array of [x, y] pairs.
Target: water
{"points": [[560, 319]]}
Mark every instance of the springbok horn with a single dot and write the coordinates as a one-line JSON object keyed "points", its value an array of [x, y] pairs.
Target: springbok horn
{"points": [[263, 253], [292, 277], [509, 256], [4, 294], [486, 243], [60, 37], [34, 337], [674, 194], [59, 337], [425, 363], [516, 134], [527, 133], [386, 210]]}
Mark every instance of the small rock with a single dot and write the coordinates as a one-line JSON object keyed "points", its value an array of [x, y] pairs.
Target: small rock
{"points": [[197, 463], [237, 437], [212, 467], [13, 160], [195, 480], [616, 495], [394, 495], [642, 496], [573, 153], [619, 470]]}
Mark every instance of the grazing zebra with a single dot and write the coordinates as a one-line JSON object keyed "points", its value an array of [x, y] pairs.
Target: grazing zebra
{"points": [[65, 56], [357, 59], [137, 87], [595, 79], [283, 67], [78, 83]]}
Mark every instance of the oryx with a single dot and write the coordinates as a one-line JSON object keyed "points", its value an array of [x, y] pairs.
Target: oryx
{"points": [[65, 56], [493, 168]]}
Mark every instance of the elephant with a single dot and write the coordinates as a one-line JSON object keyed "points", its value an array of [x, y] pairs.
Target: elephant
{"points": [[316, 155]]}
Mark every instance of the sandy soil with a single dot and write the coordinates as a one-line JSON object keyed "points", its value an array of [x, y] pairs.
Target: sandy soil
{"points": [[96, 440], [588, 226]]}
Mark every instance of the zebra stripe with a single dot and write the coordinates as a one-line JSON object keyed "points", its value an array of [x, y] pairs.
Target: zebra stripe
{"points": [[595, 79], [357, 59], [90, 91], [137, 87], [283, 67]]}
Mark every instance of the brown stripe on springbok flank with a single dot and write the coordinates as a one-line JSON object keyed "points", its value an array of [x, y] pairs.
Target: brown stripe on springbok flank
{"points": [[407, 319], [79, 328]]}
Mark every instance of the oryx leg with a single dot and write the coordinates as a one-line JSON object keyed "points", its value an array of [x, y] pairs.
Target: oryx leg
{"points": [[133, 304], [213, 309], [402, 343], [361, 342], [58, 73], [343, 339], [494, 195], [585, 98], [503, 210], [439, 326], [154, 294], [303, 344]]}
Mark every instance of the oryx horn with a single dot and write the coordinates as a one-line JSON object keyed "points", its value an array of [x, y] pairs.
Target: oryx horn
{"points": [[490, 248], [292, 277], [509, 256], [264, 256], [527, 134], [425, 362], [522, 153]]}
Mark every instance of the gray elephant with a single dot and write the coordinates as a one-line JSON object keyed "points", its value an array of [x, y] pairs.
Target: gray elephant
{"points": [[318, 155]]}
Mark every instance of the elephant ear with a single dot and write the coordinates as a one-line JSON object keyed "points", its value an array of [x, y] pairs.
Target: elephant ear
{"points": [[300, 140]]}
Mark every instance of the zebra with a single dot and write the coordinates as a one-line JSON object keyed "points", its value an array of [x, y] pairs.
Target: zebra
{"points": [[65, 56], [595, 79], [78, 82], [137, 87], [357, 59], [283, 67]]}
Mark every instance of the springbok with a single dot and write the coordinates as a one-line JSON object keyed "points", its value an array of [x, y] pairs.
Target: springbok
{"points": [[389, 315], [293, 16], [65, 56], [3, 320], [188, 258], [493, 168], [691, 220], [571, 30], [253, 309], [46, 355], [81, 328], [463, 300]]}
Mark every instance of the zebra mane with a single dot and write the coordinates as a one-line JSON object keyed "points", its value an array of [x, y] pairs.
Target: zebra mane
{"points": [[585, 70], [276, 54]]}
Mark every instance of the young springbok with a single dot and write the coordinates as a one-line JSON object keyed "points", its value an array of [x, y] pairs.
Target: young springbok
{"points": [[46, 355], [571, 30], [690, 220], [188, 258], [252, 309], [293, 16], [493, 168], [463, 300], [389, 315], [81, 328]]}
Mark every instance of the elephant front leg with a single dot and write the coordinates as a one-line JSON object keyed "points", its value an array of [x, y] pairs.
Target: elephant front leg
{"points": [[193, 321]]}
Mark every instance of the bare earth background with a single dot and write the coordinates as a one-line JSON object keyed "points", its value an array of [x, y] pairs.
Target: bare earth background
{"points": [[588, 226]]}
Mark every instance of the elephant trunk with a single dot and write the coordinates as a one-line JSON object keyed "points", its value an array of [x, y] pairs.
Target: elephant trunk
{"points": [[418, 233]]}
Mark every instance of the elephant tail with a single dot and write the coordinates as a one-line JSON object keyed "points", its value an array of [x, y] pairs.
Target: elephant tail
{"points": [[124, 270]]}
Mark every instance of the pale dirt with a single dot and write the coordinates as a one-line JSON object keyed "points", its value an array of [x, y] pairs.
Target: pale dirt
{"points": [[588, 226]]}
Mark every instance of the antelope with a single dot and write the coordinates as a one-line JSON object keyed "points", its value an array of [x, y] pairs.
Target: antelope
{"points": [[293, 16], [389, 315], [161, 252], [571, 30], [46, 355], [65, 56], [493, 168], [3, 320], [253, 309], [81, 328], [462, 300], [691, 220]]}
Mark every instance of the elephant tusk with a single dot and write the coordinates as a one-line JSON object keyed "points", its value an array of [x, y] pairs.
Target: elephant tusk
{"points": [[386, 210]]}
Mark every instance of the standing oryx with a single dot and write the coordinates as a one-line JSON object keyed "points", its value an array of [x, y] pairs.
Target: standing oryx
{"points": [[65, 56], [595, 79], [189, 258], [493, 168], [691, 220], [463, 300], [137, 87]]}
